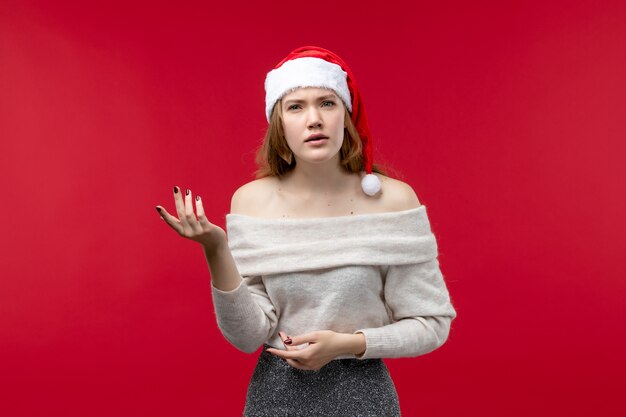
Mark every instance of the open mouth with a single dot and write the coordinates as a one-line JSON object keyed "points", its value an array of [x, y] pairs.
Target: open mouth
{"points": [[317, 139]]}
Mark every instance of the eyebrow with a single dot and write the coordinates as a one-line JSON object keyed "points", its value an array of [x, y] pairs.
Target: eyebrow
{"points": [[325, 97]]}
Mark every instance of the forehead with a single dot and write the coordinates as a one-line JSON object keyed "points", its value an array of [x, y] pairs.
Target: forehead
{"points": [[308, 93]]}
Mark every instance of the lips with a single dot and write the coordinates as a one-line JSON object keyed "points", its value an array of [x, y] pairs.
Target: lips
{"points": [[317, 136]]}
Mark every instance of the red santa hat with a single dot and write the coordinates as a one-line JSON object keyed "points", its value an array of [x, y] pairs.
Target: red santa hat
{"points": [[312, 66]]}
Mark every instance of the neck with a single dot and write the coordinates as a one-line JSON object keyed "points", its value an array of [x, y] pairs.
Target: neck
{"points": [[326, 178]]}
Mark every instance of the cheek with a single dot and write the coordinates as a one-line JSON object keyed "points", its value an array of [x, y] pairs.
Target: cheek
{"points": [[289, 124], [340, 125], [289, 135], [287, 128]]}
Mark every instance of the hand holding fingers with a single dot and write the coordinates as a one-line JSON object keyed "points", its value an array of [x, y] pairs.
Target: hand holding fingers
{"points": [[322, 349], [292, 357], [288, 346], [297, 359]]}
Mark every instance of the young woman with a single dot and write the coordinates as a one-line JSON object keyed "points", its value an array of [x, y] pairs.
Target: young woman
{"points": [[329, 265]]}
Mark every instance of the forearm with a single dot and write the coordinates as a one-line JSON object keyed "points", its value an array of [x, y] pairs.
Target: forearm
{"points": [[406, 338], [242, 320], [224, 273]]}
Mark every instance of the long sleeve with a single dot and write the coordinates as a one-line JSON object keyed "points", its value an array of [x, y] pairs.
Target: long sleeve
{"points": [[419, 307], [245, 315], [324, 273]]}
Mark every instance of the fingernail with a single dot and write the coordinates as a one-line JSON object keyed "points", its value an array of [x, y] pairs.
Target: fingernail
{"points": [[158, 209], [197, 198], [187, 191], [175, 190], [288, 341]]}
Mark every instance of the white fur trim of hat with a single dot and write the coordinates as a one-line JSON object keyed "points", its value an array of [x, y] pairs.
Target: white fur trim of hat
{"points": [[305, 72]]}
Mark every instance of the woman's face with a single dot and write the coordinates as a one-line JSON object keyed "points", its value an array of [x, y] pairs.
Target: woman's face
{"points": [[310, 112]]}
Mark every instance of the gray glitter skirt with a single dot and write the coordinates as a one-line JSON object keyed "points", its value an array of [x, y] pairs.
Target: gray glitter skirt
{"points": [[343, 387]]}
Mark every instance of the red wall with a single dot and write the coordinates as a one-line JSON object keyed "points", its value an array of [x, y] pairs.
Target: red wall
{"points": [[508, 121]]}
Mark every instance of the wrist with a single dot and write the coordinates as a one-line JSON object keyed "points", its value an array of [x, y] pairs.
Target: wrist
{"points": [[361, 344], [353, 344], [215, 250]]}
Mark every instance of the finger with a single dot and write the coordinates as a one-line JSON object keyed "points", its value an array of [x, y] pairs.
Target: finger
{"points": [[286, 339], [170, 220], [290, 354], [180, 206], [188, 205], [189, 214], [204, 222], [304, 338]]}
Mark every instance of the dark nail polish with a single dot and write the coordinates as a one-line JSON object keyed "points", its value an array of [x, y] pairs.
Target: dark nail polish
{"points": [[197, 198], [187, 191], [175, 190], [288, 341], [158, 209]]}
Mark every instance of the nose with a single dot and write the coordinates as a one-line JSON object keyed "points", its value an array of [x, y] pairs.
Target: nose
{"points": [[314, 118]]}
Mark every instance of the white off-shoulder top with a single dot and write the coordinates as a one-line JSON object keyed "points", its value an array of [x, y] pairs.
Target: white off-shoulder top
{"points": [[375, 274]]}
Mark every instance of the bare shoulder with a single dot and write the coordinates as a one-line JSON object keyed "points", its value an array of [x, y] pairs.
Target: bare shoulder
{"points": [[251, 195], [397, 195]]}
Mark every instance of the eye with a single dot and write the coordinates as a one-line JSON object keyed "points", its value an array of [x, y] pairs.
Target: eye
{"points": [[328, 103], [293, 107]]}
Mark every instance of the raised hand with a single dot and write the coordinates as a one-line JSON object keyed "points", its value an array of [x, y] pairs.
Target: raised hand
{"points": [[188, 226]]}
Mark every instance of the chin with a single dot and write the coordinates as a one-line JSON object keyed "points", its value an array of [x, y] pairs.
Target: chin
{"points": [[319, 160]]}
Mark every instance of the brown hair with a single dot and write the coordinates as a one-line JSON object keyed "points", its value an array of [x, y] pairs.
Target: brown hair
{"points": [[274, 158]]}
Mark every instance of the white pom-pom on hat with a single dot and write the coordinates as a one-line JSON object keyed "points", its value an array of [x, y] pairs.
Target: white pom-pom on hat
{"points": [[370, 184]]}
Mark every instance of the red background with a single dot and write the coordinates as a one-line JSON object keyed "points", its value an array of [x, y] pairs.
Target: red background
{"points": [[507, 118]]}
